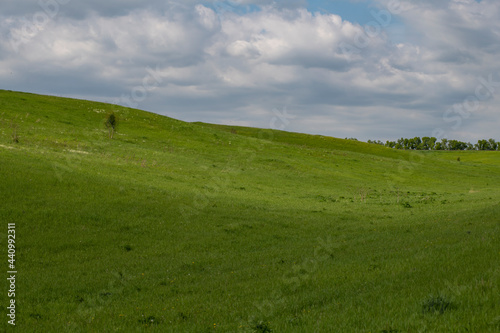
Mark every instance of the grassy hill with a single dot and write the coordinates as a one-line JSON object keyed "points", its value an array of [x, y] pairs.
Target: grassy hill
{"points": [[190, 227]]}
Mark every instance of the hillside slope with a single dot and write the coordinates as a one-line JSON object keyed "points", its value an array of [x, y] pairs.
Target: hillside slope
{"points": [[176, 226]]}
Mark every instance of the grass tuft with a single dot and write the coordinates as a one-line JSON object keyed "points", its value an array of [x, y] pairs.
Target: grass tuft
{"points": [[149, 320], [261, 327], [437, 304]]}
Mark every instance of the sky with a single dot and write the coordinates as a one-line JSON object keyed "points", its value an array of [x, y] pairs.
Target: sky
{"points": [[373, 69]]}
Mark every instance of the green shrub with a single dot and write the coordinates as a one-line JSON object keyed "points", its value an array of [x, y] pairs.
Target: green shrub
{"points": [[111, 123]]}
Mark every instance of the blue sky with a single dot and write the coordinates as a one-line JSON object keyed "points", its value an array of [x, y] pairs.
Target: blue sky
{"points": [[431, 70], [358, 12]]}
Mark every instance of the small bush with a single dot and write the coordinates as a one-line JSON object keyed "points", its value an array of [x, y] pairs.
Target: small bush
{"points": [[36, 316], [15, 137], [111, 123], [261, 327], [406, 205]]}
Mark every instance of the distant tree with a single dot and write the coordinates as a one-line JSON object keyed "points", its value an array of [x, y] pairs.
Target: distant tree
{"points": [[406, 144], [444, 144], [428, 143], [452, 144], [424, 145], [400, 144], [493, 144], [463, 145], [482, 145], [410, 144], [111, 123], [375, 142], [390, 144], [431, 143], [457, 145], [416, 142]]}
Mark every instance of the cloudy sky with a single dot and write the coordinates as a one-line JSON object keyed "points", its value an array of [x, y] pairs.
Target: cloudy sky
{"points": [[370, 69]]}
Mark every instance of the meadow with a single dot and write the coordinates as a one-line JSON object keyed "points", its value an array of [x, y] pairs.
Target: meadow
{"points": [[192, 227]]}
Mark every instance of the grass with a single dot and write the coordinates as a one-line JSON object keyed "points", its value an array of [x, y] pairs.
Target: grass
{"points": [[192, 227]]}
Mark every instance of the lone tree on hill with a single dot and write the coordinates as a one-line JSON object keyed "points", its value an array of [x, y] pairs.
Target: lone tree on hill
{"points": [[111, 123]]}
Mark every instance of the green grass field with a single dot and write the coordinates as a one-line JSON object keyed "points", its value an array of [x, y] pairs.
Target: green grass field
{"points": [[190, 227]]}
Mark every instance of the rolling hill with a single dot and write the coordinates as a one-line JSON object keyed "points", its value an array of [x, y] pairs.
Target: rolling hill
{"points": [[192, 227]]}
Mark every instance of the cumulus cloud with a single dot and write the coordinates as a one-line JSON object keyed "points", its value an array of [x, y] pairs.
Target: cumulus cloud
{"points": [[236, 61]]}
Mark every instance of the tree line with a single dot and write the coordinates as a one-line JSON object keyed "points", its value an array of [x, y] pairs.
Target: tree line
{"points": [[431, 143]]}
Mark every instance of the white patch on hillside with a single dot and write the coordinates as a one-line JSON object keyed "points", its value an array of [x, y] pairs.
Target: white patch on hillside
{"points": [[78, 151]]}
